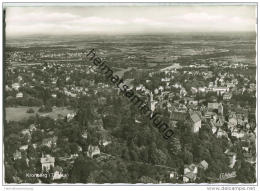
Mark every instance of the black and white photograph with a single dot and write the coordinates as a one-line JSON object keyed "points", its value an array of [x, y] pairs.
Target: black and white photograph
{"points": [[130, 94]]}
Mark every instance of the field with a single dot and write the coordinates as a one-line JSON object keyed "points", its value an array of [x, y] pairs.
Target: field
{"points": [[20, 113]]}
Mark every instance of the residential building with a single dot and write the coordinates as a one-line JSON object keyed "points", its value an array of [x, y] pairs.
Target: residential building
{"points": [[47, 162], [227, 96], [17, 155], [92, 151], [195, 120], [19, 95], [190, 173], [203, 164]]}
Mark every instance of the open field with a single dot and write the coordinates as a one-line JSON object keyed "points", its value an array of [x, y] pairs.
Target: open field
{"points": [[19, 113]]}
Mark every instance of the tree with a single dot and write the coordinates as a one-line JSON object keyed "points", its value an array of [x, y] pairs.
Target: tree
{"points": [[247, 173], [73, 148], [81, 170], [46, 108], [10, 172], [37, 136], [188, 157], [30, 110], [144, 155]]}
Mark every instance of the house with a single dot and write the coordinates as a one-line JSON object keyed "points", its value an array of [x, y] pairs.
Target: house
{"points": [[105, 140], [230, 85], [17, 179], [220, 109], [220, 132], [74, 156], [245, 149], [32, 128], [219, 122], [177, 85], [70, 94], [232, 158], [7, 88], [79, 148], [47, 162], [153, 104], [187, 100], [156, 91], [97, 124], [26, 132], [190, 173], [102, 100], [176, 145], [85, 134], [70, 116], [27, 162], [241, 120], [194, 102], [19, 95], [173, 175], [194, 90], [166, 79], [204, 165], [215, 107], [232, 121], [137, 121], [195, 120], [183, 92], [91, 82], [50, 132], [35, 146], [202, 89], [211, 84], [49, 142], [57, 173], [54, 81], [210, 115], [17, 155], [227, 96], [252, 87], [237, 133], [179, 116], [249, 158], [92, 151], [16, 86], [23, 147], [220, 90]]}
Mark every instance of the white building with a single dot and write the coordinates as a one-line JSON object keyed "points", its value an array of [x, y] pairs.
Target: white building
{"points": [[23, 147], [57, 173], [92, 151], [190, 173], [195, 122], [232, 159], [47, 162], [16, 86], [227, 96], [204, 165], [220, 90], [19, 95], [70, 116]]}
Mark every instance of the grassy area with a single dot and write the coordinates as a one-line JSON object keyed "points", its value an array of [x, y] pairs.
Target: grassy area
{"points": [[19, 113]]}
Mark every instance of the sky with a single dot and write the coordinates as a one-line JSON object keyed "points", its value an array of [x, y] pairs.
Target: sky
{"points": [[69, 20]]}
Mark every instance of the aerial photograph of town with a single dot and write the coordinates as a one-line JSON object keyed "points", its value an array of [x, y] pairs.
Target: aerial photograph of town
{"points": [[129, 94]]}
